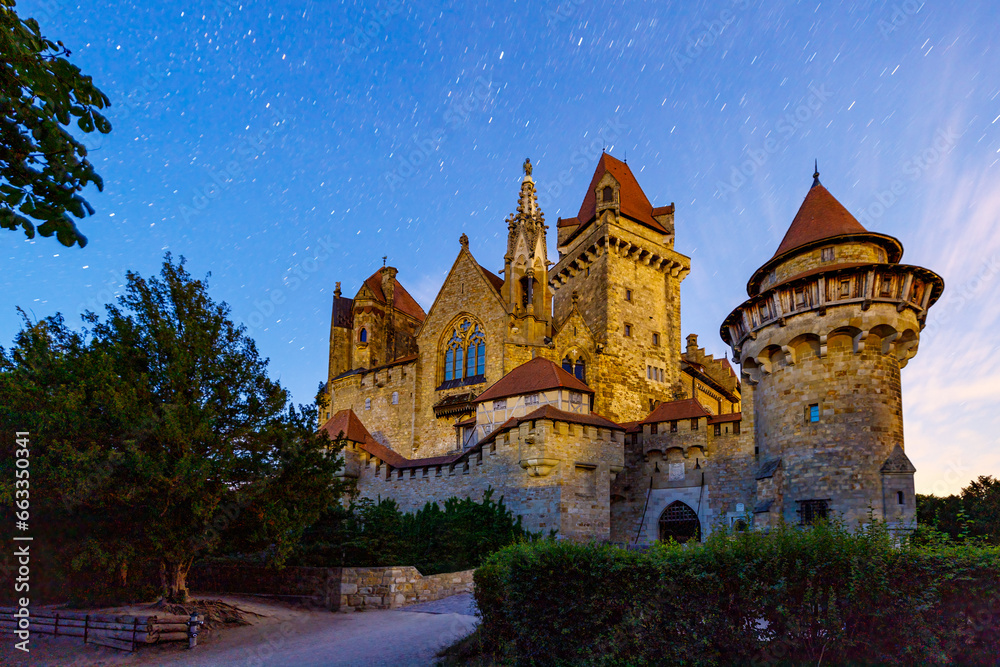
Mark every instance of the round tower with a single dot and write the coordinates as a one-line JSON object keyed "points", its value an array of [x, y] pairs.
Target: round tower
{"points": [[831, 319]]}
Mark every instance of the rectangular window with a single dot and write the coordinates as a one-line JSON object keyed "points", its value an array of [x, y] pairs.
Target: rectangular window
{"points": [[694, 424], [649, 372], [628, 295], [628, 330], [587, 484], [800, 298], [500, 404], [575, 398], [881, 255], [656, 339], [886, 286], [653, 428], [718, 429], [845, 289], [812, 413], [368, 404], [736, 428], [827, 254], [661, 374], [811, 511], [531, 399], [673, 426], [395, 398]]}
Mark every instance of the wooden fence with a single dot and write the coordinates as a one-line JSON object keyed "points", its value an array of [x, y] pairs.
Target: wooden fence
{"points": [[121, 632]]}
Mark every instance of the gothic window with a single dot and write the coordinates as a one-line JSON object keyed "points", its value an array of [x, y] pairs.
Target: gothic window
{"points": [[363, 335], [680, 523], [575, 367], [465, 352]]}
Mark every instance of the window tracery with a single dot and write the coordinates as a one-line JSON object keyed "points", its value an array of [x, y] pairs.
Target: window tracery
{"points": [[465, 351]]}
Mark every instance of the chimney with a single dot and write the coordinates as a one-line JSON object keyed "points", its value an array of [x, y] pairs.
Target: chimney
{"points": [[388, 283]]}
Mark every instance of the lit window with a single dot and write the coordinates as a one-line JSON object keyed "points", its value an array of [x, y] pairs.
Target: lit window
{"points": [[395, 398], [368, 404], [465, 353], [500, 404], [812, 413], [531, 399], [827, 254], [363, 335]]}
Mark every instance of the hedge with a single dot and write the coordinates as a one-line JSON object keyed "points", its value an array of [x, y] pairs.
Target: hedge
{"points": [[825, 595]]}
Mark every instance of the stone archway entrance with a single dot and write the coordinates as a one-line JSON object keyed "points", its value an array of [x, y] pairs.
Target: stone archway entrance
{"points": [[680, 522]]}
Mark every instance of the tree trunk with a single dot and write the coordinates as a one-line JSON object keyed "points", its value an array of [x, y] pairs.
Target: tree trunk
{"points": [[173, 579]]}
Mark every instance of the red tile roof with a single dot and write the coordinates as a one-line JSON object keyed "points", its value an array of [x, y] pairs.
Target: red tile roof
{"points": [[555, 414], [538, 374], [401, 299], [494, 279], [567, 222], [820, 217], [687, 408], [633, 202], [346, 422], [730, 417]]}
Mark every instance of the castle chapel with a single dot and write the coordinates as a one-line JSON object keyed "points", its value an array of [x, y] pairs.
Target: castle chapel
{"points": [[564, 385]]}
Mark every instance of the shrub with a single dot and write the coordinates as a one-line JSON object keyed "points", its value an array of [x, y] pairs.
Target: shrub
{"points": [[822, 595]]}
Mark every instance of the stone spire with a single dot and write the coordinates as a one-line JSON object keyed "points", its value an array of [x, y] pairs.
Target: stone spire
{"points": [[526, 290]]}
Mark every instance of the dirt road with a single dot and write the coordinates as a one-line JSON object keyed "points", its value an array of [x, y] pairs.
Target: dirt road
{"points": [[283, 637]]}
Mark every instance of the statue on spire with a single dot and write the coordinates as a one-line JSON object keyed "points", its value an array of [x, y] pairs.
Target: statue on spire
{"points": [[527, 166]]}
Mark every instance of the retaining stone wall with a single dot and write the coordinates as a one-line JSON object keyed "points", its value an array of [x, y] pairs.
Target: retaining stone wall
{"points": [[367, 588]]}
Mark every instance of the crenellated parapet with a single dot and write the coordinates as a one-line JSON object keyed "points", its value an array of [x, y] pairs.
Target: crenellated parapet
{"points": [[886, 301], [621, 244]]}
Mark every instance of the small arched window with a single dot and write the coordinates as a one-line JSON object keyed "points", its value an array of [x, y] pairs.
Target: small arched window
{"points": [[363, 335]]}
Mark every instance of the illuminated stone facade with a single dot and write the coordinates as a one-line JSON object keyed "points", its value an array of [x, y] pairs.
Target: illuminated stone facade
{"points": [[564, 387]]}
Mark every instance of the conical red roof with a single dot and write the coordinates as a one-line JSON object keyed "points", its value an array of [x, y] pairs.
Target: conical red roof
{"points": [[820, 217]]}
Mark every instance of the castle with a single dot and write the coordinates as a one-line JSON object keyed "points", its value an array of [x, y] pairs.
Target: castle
{"points": [[564, 385]]}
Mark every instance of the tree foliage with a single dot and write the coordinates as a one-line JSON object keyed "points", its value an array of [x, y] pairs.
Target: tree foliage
{"points": [[157, 431], [457, 536], [973, 514], [43, 168]]}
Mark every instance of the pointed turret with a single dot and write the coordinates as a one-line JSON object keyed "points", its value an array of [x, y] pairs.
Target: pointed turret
{"points": [[525, 289]]}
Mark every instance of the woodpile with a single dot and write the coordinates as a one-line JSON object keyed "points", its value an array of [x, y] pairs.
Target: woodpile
{"points": [[123, 632]]}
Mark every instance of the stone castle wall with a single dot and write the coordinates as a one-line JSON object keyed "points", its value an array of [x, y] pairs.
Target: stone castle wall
{"points": [[369, 588], [383, 399]]}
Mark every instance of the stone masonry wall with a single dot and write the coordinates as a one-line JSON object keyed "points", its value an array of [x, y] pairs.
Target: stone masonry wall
{"points": [[389, 423], [465, 291], [843, 253], [368, 588], [314, 585]]}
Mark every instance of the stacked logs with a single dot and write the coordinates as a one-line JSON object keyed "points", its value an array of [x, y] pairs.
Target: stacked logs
{"points": [[117, 631]]}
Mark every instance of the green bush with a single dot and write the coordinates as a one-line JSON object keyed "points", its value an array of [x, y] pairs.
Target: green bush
{"points": [[457, 536], [791, 596]]}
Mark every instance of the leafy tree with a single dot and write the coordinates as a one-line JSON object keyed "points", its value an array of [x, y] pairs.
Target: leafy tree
{"points": [[42, 166], [158, 432], [975, 513]]}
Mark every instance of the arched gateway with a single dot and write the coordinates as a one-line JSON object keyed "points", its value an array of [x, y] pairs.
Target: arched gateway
{"points": [[679, 522]]}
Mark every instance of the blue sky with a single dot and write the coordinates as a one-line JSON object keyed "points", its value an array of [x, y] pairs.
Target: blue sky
{"points": [[285, 146]]}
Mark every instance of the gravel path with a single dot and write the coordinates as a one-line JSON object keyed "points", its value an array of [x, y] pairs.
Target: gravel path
{"points": [[285, 637]]}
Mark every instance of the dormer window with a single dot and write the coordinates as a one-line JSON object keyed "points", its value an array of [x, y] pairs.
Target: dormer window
{"points": [[608, 195]]}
